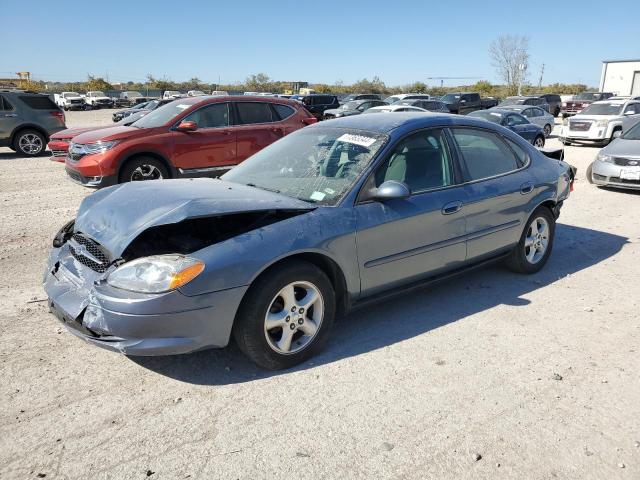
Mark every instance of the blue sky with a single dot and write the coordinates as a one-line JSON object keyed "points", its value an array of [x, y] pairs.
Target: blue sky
{"points": [[399, 41]]}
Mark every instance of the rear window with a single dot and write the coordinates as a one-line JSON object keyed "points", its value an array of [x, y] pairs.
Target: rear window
{"points": [[254, 112], [39, 102], [4, 104], [284, 111]]}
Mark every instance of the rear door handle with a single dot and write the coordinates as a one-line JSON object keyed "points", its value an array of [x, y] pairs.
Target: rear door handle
{"points": [[451, 208], [10, 115], [526, 188]]}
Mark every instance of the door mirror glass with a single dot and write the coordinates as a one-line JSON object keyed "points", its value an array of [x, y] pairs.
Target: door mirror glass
{"points": [[187, 126], [391, 190]]}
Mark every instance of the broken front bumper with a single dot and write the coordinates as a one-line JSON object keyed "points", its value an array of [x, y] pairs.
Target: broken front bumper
{"points": [[136, 323]]}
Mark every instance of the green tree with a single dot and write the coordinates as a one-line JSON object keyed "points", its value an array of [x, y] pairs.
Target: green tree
{"points": [[98, 83], [257, 83]]}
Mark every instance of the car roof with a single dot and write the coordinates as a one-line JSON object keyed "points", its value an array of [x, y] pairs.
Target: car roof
{"points": [[502, 111], [517, 107], [401, 121]]}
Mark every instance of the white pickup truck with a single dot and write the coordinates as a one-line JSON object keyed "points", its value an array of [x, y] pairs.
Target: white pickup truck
{"points": [[97, 99], [70, 101], [599, 122]]}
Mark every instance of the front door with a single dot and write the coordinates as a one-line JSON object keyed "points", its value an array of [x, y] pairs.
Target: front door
{"points": [[403, 240], [212, 145], [521, 126], [258, 126]]}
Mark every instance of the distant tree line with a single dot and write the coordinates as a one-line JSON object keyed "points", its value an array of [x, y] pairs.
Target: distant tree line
{"points": [[261, 82]]}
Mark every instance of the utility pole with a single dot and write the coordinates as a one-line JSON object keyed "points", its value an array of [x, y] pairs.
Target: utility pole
{"points": [[521, 69], [541, 75]]}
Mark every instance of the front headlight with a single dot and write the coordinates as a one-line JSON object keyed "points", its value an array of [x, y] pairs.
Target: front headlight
{"points": [[156, 274], [602, 123], [339, 115], [92, 148], [603, 157]]}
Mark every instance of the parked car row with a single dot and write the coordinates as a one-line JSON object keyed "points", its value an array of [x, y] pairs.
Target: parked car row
{"points": [[140, 107]]}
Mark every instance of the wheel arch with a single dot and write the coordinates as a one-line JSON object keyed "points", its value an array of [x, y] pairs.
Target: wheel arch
{"points": [[29, 126], [325, 263], [132, 156]]}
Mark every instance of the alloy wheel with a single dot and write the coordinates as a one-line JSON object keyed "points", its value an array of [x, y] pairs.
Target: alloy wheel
{"points": [[537, 240], [294, 317], [547, 130], [539, 142], [146, 172], [30, 143]]}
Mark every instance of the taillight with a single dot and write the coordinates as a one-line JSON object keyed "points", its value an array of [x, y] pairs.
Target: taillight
{"points": [[59, 114]]}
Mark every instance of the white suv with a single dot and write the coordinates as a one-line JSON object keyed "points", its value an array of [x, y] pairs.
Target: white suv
{"points": [[600, 122]]}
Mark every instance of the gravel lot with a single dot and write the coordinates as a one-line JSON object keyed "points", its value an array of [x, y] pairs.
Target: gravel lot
{"points": [[537, 375]]}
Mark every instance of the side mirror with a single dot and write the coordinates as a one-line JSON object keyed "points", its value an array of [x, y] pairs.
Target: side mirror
{"points": [[463, 101], [630, 112], [187, 126], [391, 190]]}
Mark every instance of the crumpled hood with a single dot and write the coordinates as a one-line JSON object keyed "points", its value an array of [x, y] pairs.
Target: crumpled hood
{"points": [[115, 216]]}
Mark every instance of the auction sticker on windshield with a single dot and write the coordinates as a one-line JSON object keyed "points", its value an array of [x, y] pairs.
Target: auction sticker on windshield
{"points": [[361, 140]]}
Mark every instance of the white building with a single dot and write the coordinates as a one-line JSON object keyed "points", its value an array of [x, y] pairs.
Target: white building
{"points": [[621, 77]]}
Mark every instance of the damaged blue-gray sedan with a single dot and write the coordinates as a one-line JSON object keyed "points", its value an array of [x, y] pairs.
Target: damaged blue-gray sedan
{"points": [[330, 217]]}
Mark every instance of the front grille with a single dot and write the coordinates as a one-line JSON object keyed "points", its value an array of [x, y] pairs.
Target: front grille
{"points": [[75, 156], [624, 180], [626, 162], [93, 249], [59, 153], [579, 126]]}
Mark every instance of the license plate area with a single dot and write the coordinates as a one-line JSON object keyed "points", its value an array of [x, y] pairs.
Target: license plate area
{"points": [[630, 174]]}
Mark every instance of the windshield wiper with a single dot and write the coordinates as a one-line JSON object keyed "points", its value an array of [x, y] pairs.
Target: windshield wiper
{"points": [[262, 188]]}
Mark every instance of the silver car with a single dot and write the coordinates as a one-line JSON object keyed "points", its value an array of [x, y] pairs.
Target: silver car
{"points": [[618, 164], [327, 218], [535, 115]]}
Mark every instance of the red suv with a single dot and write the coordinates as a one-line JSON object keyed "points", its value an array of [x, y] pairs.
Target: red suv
{"points": [[195, 136]]}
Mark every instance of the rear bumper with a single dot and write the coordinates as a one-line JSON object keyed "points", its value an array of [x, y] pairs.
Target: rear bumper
{"points": [[132, 323]]}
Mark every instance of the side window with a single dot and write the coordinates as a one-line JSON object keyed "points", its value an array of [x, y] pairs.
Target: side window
{"points": [[632, 109], [528, 112], [365, 106], [212, 116], [474, 97], [523, 157], [254, 112], [484, 153], [284, 111], [422, 161], [514, 119], [2, 107]]}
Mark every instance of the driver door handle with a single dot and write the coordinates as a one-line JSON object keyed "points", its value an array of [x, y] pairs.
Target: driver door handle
{"points": [[526, 188], [451, 208]]}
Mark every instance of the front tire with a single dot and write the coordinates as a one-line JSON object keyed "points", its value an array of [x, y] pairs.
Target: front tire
{"points": [[143, 168], [536, 243], [286, 316], [547, 130], [29, 143]]}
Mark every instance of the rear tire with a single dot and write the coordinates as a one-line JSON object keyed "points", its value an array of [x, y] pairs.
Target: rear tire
{"points": [[143, 168], [538, 141], [29, 143], [536, 243], [272, 327]]}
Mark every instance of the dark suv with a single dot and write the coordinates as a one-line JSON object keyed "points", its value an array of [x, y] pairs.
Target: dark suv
{"points": [[27, 120], [554, 101], [317, 103]]}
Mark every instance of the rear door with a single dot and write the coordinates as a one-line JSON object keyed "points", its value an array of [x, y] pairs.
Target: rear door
{"points": [[212, 145], [8, 119], [402, 240], [498, 189], [257, 126]]}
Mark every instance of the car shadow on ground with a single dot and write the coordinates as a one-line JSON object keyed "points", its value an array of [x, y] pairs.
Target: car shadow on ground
{"points": [[11, 155], [406, 316]]}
